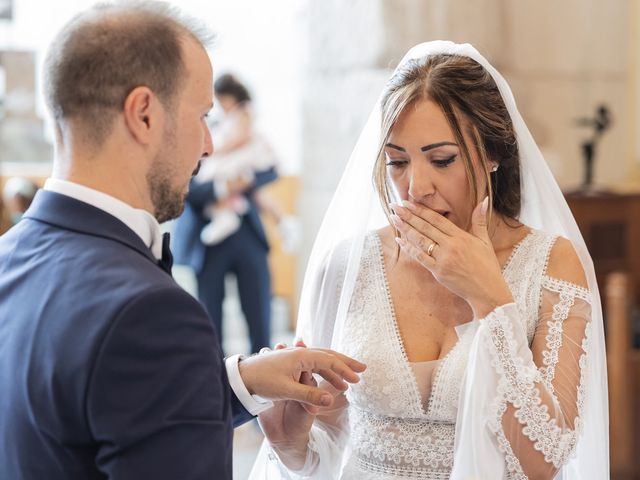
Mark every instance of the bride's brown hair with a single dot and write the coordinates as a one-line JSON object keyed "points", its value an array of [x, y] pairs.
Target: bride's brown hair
{"points": [[470, 99]]}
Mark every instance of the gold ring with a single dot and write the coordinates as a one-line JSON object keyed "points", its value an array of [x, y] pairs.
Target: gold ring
{"points": [[430, 249]]}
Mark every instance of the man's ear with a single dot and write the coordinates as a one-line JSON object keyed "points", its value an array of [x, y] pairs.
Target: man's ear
{"points": [[142, 114]]}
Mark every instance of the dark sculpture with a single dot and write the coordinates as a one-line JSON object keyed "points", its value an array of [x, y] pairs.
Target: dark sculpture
{"points": [[600, 123]]}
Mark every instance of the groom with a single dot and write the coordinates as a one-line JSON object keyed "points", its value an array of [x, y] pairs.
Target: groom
{"points": [[107, 368]]}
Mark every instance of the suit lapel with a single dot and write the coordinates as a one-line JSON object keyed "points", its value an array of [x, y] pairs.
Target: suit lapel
{"points": [[71, 214]]}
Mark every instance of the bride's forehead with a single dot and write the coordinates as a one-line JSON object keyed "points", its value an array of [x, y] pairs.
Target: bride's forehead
{"points": [[423, 119]]}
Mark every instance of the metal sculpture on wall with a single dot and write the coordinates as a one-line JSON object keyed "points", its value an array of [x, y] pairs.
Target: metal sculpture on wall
{"points": [[600, 123]]}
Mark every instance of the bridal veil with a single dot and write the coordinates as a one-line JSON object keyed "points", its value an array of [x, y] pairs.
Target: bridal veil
{"points": [[335, 259]]}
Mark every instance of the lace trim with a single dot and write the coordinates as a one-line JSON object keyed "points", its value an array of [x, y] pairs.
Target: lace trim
{"points": [[401, 472], [416, 405], [523, 272], [393, 444], [443, 401], [554, 338], [517, 386], [562, 286]]}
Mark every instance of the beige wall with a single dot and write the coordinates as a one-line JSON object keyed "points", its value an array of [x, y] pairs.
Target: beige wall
{"points": [[562, 59]]}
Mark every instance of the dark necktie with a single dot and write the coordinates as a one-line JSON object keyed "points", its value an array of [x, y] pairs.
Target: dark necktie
{"points": [[166, 261]]}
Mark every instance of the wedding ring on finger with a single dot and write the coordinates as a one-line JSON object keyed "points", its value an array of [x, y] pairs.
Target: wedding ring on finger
{"points": [[430, 249], [264, 350]]}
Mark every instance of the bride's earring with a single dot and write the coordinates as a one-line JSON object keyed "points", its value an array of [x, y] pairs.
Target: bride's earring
{"points": [[494, 168]]}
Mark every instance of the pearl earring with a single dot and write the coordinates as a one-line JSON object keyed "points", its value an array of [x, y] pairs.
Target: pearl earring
{"points": [[495, 168]]}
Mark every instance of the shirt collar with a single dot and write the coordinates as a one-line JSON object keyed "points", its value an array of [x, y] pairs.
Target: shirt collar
{"points": [[140, 221]]}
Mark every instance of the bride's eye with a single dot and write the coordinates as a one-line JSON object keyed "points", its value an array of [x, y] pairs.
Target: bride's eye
{"points": [[445, 162], [395, 163]]}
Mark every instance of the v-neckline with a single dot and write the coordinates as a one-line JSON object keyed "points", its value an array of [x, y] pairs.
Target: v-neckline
{"points": [[425, 408]]}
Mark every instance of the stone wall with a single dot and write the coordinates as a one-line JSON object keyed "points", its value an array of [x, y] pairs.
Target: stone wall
{"points": [[562, 59]]}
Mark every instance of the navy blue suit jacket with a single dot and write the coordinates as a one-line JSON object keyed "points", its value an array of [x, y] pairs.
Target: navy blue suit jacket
{"points": [[186, 246], [108, 369]]}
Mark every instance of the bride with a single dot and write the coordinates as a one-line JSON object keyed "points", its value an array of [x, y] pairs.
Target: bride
{"points": [[460, 278]]}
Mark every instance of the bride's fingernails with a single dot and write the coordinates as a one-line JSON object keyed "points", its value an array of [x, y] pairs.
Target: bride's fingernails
{"points": [[393, 206], [397, 221], [408, 205], [401, 241]]}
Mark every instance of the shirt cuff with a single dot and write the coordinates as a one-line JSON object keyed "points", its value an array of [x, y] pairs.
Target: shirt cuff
{"points": [[253, 403], [220, 189]]}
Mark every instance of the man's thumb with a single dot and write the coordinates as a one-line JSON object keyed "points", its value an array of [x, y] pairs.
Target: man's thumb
{"points": [[311, 395]]}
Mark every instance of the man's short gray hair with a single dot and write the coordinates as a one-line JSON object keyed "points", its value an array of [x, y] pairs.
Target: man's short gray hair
{"points": [[105, 52]]}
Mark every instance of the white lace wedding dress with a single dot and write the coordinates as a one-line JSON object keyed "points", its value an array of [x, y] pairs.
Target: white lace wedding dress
{"points": [[402, 416]]}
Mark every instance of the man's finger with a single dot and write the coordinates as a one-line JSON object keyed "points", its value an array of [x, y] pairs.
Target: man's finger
{"points": [[307, 379], [318, 361], [310, 395], [334, 379], [352, 363]]}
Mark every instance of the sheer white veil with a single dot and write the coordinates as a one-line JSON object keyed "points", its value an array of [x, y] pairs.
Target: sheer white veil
{"points": [[355, 209]]}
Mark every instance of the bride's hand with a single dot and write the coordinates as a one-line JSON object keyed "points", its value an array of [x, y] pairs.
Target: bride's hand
{"points": [[287, 424], [464, 262]]}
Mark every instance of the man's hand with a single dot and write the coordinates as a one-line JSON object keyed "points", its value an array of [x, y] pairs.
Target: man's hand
{"points": [[277, 375], [287, 424]]}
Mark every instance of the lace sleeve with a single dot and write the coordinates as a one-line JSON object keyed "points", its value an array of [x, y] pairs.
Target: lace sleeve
{"points": [[536, 415], [523, 401]]}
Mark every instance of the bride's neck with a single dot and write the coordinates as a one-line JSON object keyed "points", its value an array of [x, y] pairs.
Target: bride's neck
{"points": [[504, 232]]}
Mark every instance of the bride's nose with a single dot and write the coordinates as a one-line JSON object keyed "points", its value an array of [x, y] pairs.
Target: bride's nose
{"points": [[421, 182]]}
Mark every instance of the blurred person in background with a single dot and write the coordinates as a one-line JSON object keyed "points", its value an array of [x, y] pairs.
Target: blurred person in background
{"points": [[18, 194], [220, 231]]}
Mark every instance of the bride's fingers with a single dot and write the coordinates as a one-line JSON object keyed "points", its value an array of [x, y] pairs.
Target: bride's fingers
{"points": [[419, 240], [417, 254], [405, 216], [434, 218]]}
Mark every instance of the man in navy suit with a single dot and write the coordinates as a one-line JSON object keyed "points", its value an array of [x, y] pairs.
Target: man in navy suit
{"points": [[107, 368]]}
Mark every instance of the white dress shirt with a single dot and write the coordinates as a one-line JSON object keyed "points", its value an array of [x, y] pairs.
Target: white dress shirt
{"points": [[145, 226]]}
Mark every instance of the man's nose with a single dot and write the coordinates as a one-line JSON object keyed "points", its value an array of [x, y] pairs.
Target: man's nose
{"points": [[208, 144]]}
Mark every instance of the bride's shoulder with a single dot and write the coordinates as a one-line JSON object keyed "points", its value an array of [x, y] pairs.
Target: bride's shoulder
{"points": [[563, 262]]}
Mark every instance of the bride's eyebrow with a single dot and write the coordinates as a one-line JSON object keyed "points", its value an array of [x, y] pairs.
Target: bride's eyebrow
{"points": [[436, 145], [395, 147], [431, 146]]}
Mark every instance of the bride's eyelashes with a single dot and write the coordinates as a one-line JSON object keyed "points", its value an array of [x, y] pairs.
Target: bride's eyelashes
{"points": [[396, 163], [445, 162], [439, 163]]}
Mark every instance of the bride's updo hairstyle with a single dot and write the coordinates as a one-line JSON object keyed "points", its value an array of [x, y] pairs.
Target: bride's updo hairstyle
{"points": [[470, 100]]}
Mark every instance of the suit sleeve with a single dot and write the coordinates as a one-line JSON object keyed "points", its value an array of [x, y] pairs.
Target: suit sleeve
{"points": [[158, 401]]}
